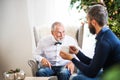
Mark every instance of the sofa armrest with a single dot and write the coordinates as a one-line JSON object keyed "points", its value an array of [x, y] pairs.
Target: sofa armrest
{"points": [[34, 66]]}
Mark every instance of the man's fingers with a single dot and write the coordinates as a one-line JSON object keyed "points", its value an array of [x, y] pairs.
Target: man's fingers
{"points": [[68, 68], [71, 71], [49, 65], [62, 55]]}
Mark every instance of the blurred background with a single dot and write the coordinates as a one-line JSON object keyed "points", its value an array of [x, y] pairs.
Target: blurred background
{"points": [[18, 17]]}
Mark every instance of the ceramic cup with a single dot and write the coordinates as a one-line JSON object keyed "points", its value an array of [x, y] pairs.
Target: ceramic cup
{"points": [[65, 49]]}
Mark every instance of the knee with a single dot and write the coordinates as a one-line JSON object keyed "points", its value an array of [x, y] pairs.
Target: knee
{"points": [[41, 73], [65, 72], [73, 76], [64, 75]]}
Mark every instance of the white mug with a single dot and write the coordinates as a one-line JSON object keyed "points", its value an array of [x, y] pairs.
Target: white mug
{"points": [[65, 49]]}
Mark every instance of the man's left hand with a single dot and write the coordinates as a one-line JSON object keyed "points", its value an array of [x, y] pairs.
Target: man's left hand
{"points": [[65, 55], [70, 67]]}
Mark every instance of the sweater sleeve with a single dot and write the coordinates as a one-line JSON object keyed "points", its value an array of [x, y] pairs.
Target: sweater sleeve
{"points": [[99, 59], [38, 52], [83, 58]]}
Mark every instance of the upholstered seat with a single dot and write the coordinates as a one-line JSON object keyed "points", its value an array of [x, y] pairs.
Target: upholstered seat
{"points": [[39, 32]]}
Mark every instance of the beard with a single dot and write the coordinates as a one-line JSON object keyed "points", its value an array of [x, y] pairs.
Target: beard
{"points": [[92, 29]]}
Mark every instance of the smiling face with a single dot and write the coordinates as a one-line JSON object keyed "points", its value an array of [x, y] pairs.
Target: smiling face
{"points": [[58, 31]]}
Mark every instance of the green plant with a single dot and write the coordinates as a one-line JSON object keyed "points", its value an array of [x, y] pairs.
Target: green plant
{"points": [[113, 7], [13, 71], [112, 73]]}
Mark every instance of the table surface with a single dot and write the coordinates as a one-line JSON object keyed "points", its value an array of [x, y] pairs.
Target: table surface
{"points": [[37, 78]]}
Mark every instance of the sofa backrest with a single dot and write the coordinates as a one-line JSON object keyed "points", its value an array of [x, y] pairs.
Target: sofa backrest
{"points": [[42, 31]]}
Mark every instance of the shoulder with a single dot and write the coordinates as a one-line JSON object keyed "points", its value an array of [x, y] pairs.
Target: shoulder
{"points": [[43, 42], [69, 39]]}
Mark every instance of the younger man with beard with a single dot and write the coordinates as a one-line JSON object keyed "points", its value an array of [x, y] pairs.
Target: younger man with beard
{"points": [[107, 50]]}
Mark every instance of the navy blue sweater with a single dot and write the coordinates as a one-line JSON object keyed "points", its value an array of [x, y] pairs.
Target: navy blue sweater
{"points": [[107, 53]]}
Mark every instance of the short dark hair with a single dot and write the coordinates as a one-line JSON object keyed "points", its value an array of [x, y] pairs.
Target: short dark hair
{"points": [[99, 13]]}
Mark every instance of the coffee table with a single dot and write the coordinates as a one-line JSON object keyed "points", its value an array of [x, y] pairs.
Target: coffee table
{"points": [[41, 78], [37, 78]]}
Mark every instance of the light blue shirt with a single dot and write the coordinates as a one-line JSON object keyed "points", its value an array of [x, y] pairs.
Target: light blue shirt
{"points": [[48, 50]]}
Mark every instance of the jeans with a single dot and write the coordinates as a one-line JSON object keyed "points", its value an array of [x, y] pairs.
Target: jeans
{"points": [[61, 72], [81, 76]]}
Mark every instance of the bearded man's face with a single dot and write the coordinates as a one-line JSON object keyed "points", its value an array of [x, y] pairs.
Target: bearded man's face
{"points": [[91, 28]]}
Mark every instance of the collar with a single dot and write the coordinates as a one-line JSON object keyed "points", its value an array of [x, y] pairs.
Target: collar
{"points": [[104, 29]]}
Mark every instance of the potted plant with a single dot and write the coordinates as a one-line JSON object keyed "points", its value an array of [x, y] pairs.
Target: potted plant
{"points": [[113, 7], [16, 74]]}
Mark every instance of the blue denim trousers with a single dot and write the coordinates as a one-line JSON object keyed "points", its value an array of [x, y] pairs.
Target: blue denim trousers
{"points": [[61, 72], [81, 76]]}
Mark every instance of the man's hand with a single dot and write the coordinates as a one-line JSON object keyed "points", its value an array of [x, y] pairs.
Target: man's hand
{"points": [[70, 67], [46, 63], [65, 55], [73, 50]]}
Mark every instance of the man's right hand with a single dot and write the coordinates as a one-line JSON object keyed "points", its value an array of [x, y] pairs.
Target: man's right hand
{"points": [[73, 50], [46, 63]]}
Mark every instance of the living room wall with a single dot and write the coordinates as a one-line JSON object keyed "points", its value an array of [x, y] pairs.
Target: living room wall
{"points": [[17, 18], [15, 36]]}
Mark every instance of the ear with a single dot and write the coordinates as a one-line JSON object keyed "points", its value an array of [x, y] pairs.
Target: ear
{"points": [[52, 32], [93, 22]]}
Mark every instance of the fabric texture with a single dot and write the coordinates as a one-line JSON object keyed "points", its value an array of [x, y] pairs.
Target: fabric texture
{"points": [[46, 48], [107, 54], [61, 72]]}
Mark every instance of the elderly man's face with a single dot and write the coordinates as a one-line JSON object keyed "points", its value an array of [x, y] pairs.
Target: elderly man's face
{"points": [[59, 32]]}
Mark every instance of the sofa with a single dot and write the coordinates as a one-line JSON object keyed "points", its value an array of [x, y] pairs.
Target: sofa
{"points": [[39, 32]]}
